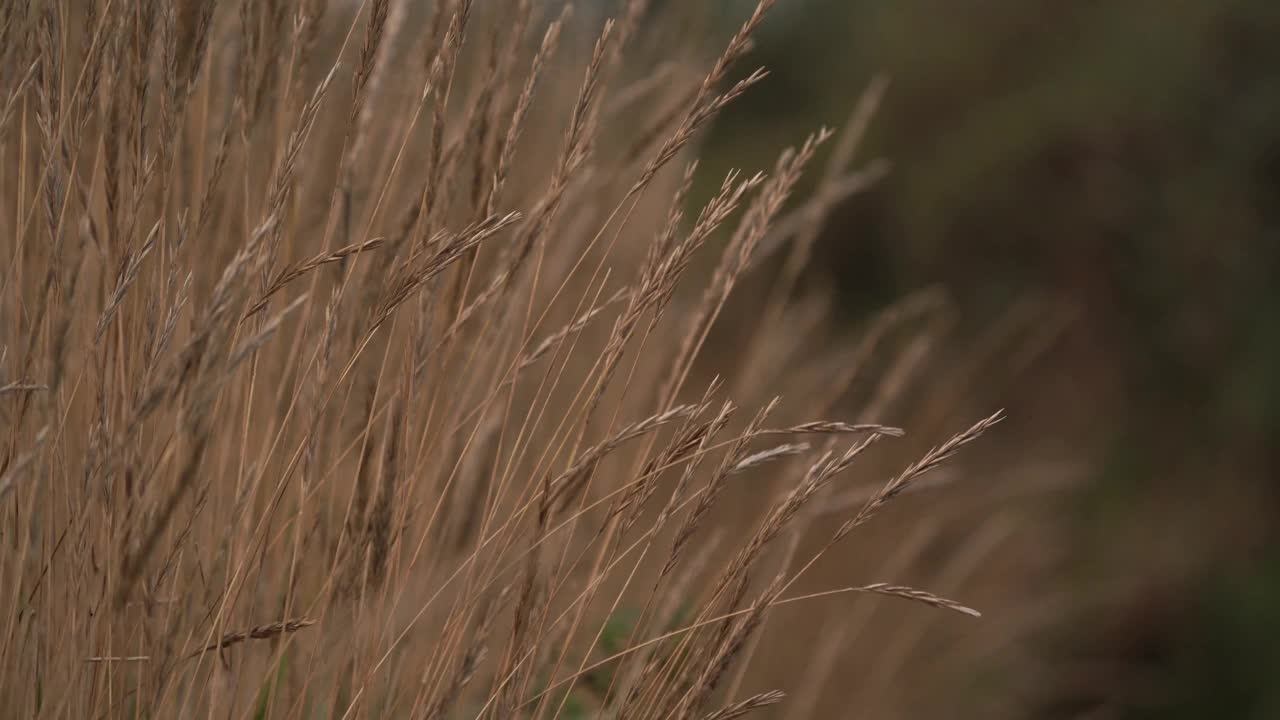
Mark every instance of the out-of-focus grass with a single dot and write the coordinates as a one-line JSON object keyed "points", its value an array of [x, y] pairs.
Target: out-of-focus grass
{"points": [[1122, 157]]}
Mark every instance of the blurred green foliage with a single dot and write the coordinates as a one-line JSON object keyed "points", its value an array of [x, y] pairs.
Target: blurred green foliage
{"points": [[1226, 664], [1123, 156]]}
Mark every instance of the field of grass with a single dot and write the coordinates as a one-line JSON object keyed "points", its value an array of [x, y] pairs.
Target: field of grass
{"points": [[374, 361]]}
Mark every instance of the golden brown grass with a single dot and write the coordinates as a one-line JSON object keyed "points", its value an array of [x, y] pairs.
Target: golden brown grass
{"points": [[353, 365]]}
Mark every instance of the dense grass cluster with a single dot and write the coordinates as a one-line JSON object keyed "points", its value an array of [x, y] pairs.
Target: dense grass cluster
{"points": [[352, 365]]}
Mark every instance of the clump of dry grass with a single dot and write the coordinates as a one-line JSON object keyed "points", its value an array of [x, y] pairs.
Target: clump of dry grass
{"points": [[365, 329]]}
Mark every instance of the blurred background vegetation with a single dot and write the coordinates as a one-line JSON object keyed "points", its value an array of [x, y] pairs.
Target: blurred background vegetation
{"points": [[1120, 158]]}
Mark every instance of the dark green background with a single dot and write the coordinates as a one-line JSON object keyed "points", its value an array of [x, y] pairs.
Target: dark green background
{"points": [[1121, 157]]}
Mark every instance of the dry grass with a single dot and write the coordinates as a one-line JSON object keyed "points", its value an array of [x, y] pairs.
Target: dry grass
{"points": [[352, 364]]}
